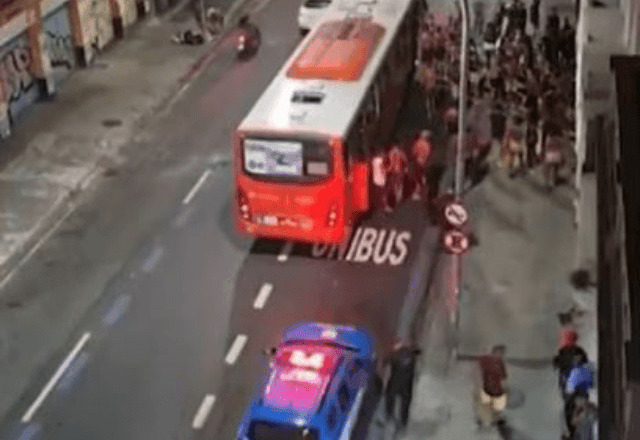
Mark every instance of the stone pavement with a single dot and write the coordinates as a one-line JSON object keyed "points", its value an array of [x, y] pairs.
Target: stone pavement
{"points": [[514, 284], [62, 144]]}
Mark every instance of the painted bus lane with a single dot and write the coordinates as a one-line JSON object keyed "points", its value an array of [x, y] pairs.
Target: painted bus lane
{"points": [[364, 281]]}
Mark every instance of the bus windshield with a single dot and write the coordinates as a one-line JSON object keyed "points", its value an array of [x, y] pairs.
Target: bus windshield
{"points": [[286, 160]]}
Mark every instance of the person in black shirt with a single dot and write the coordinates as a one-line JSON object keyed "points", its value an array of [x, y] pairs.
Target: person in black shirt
{"points": [[402, 362], [563, 362], [534, 14]]}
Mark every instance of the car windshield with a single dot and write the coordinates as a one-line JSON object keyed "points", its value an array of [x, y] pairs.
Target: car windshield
{"points": [[275, 431], [317, 3], [323, 343]]}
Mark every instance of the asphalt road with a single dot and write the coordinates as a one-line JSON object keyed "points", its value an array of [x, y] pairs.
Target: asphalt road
{"points": [[172, 286]]}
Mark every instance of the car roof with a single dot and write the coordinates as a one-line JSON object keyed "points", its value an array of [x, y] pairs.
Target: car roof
{"points": [[301, 375], [346, 337]]}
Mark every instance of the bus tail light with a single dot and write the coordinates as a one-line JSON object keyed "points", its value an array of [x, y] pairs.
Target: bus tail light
{"points": [[243, 205], [332, 216]]}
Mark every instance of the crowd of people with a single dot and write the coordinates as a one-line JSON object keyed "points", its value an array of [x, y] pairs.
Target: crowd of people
{"points": [[521, 101], [520, 96], [520, 92]]}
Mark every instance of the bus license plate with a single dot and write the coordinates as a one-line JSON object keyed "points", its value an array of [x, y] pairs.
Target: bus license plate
{"points": [[270, 220]]}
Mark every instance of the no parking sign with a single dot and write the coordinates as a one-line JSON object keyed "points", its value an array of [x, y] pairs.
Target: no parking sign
{"points": [[456, 242]]}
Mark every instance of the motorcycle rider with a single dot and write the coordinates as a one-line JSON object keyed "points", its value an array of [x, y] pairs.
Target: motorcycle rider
{"points": [[251, 34]]}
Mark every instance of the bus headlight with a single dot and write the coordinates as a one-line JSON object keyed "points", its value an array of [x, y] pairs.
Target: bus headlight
{"points": [[243, 205], [332, 216]]}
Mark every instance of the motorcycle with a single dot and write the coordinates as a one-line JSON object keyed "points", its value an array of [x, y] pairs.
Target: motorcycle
{"points": [[242, 46], [248, 43]]}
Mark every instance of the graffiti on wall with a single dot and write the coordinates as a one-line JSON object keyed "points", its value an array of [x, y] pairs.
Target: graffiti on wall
{"points": [[58, 43], [17, 82], [95, 20]]}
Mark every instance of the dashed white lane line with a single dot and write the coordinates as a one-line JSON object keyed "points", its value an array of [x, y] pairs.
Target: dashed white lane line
{"points": [[285, 251], [236, 349], [153, 259], [181, 220], [203, 411], [196, 187], [55, 378], [263, 295], [117, 310]]}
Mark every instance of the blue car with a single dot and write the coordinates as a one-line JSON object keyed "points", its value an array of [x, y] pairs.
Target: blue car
{"points": [[314, 386]]}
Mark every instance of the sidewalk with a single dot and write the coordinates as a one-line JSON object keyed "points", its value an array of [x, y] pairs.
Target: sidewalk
{"points": [[514, 284], [61, 145]]}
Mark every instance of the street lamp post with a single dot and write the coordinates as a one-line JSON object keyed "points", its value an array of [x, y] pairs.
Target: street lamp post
{"points": [[462, 131], [462, 95]]}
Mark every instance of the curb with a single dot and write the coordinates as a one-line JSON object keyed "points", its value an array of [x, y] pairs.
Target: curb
{"points": [[425, 267], [65, 205], [47, 224]]}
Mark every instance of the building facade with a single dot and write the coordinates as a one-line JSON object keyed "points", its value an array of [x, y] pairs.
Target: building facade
{"points": [[607, 135], [43, 41]]}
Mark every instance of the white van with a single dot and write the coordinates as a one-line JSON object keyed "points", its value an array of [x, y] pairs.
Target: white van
{"points": [[311, 11]]}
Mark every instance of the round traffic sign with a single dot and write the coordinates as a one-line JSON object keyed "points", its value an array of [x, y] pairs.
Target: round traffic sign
{"points": [[456, 242], [456, 214]]}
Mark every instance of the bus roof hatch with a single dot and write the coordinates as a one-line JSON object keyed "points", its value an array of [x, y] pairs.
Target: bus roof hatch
{"points": [[339, 50]]}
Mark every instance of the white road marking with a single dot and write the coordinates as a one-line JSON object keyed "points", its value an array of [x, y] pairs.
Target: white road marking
{"points": [[236, 348], [72, 373], [55, 378], [263, 295], [284, 253], [153, 259], [203, 411], [196, 187]]}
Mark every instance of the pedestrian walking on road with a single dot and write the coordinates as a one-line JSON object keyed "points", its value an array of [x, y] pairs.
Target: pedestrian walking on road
{"points": [[402, 363], [491, 398]]}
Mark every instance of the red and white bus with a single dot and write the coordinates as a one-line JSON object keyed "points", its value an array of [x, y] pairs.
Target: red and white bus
{"points": [[302, 156]]}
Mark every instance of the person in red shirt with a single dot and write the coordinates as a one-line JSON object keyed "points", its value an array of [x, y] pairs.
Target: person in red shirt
{"points": [[421, 150], [492, 397], [396, 167]]}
